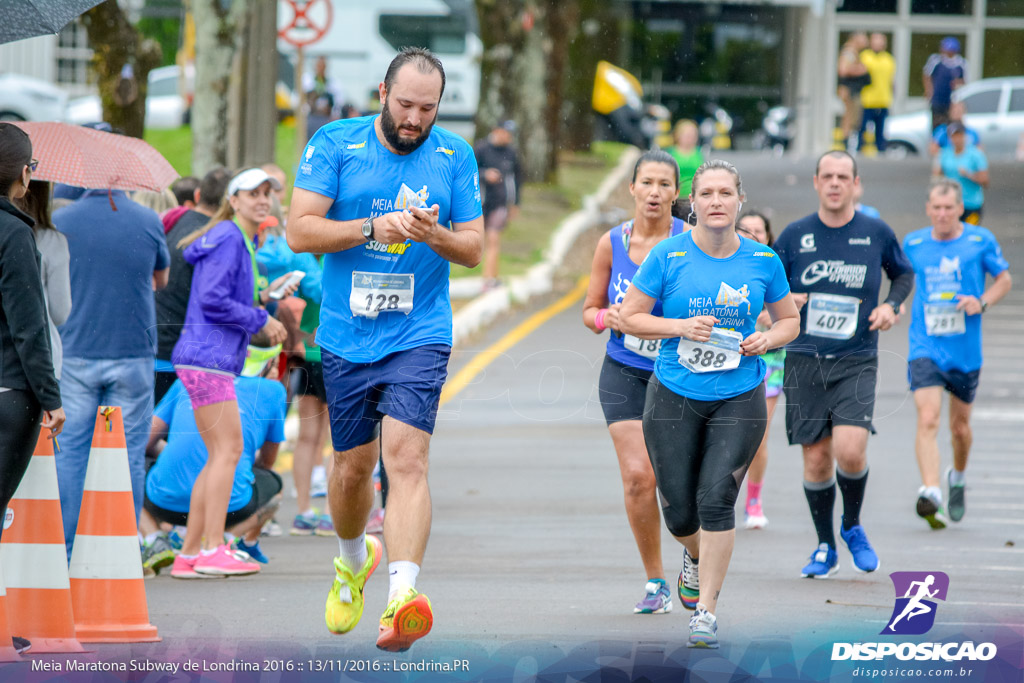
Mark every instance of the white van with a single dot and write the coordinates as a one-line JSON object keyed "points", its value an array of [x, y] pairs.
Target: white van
{"points": [[365, 35]]}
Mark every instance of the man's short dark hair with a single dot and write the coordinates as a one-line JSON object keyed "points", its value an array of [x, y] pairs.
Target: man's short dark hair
{"points": [[836, 154], [213, 186], [425, 60], [184, 189]]}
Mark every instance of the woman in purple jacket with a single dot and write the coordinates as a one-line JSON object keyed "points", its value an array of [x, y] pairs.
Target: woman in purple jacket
{"points": [[223, 313]]}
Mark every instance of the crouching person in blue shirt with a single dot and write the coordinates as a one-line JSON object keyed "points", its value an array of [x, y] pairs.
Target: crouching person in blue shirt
{"points": [[256, 492]]}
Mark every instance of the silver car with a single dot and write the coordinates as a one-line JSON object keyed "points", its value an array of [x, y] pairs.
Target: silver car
{"points": [[995, 109], [23, 98]]}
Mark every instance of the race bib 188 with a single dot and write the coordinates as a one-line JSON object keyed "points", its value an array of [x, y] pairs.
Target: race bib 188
{"points": [[832, 315], [648, 348], [720, 352], [376, 293]]}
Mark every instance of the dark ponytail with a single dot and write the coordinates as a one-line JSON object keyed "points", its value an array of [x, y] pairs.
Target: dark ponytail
{"points": [[15, 154]]}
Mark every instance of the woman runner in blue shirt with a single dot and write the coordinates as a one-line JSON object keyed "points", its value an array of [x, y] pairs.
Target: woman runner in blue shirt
{"points": [[705, 411], [629, 361]]}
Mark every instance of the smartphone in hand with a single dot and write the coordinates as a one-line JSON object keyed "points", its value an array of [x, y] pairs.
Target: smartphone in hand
{"points": [[293, 279]]}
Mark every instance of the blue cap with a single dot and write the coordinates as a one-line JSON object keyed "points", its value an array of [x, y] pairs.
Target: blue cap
{"points": [[950, 44]]}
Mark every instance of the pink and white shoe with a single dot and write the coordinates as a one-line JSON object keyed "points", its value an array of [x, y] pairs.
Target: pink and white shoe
{"points": [[375, 525], [224, 562], [755, 518], [185, 568]]}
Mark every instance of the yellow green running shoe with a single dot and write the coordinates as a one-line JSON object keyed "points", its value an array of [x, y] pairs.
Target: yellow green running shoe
{"points": [[407, 618], [342, 617]]}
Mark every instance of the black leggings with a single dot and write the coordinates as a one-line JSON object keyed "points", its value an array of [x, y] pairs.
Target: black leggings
{"points": [[20, 416], [700, 451]]}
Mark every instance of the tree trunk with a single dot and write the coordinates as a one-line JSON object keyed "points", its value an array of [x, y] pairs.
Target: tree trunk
{"points": [[562, 20], [254, 111], [598, 36], [219, 25], [122, 60]]}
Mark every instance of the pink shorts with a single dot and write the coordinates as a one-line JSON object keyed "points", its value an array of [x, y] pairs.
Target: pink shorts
{"points": [[206, 388]]}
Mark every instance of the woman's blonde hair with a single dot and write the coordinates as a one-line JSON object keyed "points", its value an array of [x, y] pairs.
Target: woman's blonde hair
{"points": [[158, 201], [224, 213]]}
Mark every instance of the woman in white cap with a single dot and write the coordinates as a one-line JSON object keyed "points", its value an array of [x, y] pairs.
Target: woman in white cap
{"points": [[223, 313]]}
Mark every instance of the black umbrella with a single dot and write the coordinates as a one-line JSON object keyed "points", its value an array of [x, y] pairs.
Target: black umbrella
{"points": [[29, 18]]}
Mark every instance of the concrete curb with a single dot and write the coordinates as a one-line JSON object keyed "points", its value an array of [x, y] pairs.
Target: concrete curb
{"points": [[539, 280]]}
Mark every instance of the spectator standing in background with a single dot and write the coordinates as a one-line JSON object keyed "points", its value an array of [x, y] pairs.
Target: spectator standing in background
{"points": [[853, 76], [944, 72], [876, 97], [501, 177], [324, 97], [118, 258], [686, 152], [172, 300], [54, 264]]}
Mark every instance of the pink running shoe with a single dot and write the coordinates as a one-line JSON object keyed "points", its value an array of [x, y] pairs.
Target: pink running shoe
{"points": [[224, 562], [185, 568], [755, 518], [375, 525]]}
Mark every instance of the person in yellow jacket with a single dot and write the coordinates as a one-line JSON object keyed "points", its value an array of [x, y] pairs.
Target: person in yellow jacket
{"points": [[876, 97]]}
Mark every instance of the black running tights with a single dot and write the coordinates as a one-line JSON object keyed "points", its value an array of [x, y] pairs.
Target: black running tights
{"points": [[700, 451], [20, 416]]}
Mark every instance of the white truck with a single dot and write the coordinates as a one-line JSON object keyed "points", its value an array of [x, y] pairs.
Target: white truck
{"points": [[365, 35]]}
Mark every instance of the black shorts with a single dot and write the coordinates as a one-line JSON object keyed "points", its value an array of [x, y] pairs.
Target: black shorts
{"points": [[309, 380], [265, 486], [621, 390], [824, 392], [923, 372]]}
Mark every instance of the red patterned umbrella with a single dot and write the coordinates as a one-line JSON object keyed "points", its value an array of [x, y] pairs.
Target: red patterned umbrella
{"points": [[93, 159]]}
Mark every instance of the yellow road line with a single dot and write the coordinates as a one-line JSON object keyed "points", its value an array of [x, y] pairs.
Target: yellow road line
{"points": [[480, 361]]}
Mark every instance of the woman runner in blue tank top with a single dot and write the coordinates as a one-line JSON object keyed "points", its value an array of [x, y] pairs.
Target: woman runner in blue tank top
{"points": [[629, 361]]}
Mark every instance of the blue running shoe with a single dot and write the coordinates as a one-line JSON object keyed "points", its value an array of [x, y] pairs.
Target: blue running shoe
{"points": [[305, 525], [956, 497], [824, 563], [658, 599], [252, 551], [864, 557], [703, 629]]}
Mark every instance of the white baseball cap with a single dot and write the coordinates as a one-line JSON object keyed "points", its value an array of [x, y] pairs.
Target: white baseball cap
{"points": [[250, 179]]}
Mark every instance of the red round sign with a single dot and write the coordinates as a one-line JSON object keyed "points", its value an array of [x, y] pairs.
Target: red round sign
{"points": [[309, 23]]}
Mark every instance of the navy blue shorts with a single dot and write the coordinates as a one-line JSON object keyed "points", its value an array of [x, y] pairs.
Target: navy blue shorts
{"points": [[405, 385], [923, 372]]}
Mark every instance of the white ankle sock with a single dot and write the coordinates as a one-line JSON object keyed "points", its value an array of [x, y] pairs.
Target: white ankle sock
{"points": [[402, 574], [935, 493], [957, 477], [353, 552]]}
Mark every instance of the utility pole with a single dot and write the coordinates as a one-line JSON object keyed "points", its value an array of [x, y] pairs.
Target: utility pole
{"points": [[252, 110]]}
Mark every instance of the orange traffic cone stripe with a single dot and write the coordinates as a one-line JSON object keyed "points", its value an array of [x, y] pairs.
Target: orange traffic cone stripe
{"points": [[7, 651], [107, 587], [35, 559]]}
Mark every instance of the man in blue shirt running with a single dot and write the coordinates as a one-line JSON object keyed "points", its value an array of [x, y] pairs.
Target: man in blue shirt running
{"points": [[391, 201], [951, 259]]}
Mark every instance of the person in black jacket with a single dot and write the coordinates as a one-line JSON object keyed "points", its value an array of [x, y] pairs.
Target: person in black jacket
{"points": [[501, 176], [29, 395]]}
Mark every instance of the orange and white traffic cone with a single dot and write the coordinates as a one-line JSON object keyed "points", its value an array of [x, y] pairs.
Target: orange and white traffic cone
{"points": [[107, 589], [7, 651], [34, 555]]}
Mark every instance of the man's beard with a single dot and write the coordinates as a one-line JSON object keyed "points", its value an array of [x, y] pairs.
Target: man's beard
{"points": [[398, 143]]}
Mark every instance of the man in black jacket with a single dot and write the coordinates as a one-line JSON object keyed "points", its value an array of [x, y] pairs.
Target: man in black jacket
{"points": [[501, 176]]}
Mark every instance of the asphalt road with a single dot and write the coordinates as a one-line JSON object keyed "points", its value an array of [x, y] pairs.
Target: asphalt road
{"points": [[531, 566]]}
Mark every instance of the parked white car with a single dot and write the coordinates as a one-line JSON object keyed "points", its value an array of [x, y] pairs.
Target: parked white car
{"points": [[995, 108], [165, 106], [23, 98]]}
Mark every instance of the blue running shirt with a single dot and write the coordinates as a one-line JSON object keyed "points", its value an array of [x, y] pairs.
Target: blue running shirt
{"points": [[944, 269], [401, 292], [734, 290], [641, 352]]}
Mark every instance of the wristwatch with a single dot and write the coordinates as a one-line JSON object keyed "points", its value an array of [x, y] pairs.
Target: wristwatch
{"points": [[984, 305], [368, 228]]}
